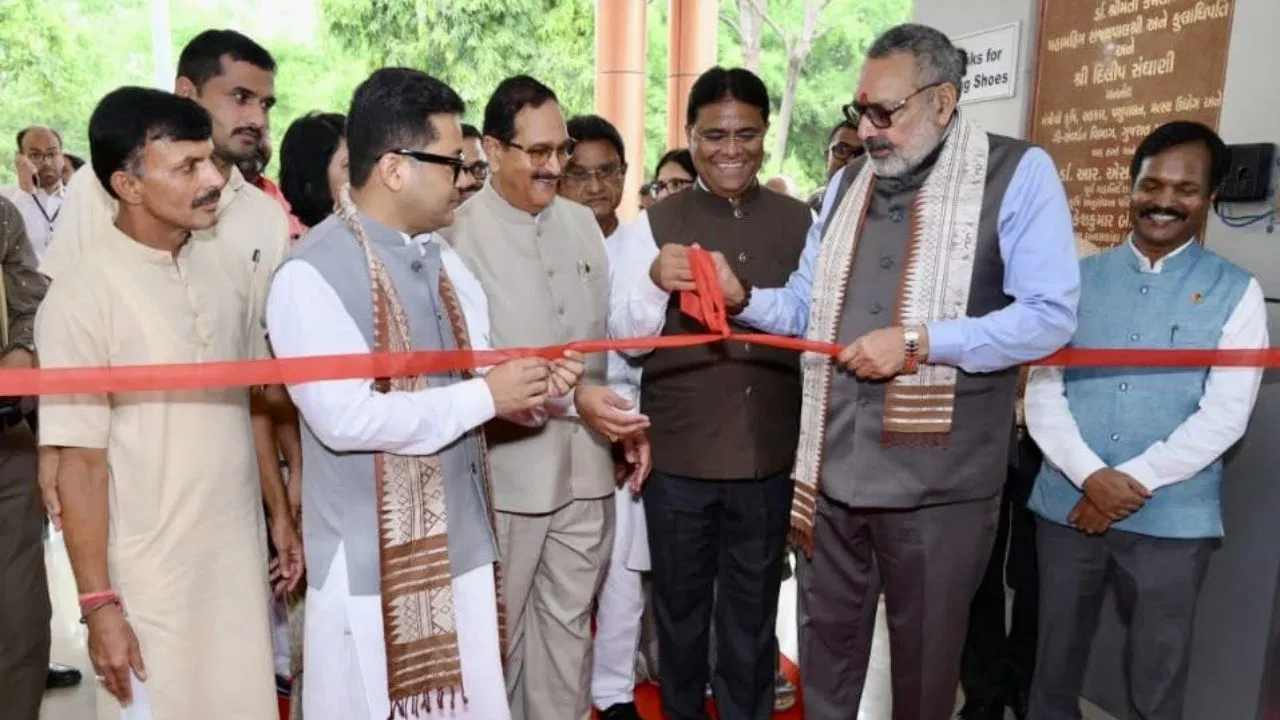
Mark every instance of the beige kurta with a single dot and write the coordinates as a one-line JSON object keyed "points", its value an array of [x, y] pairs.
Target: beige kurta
{"points": [[252, 229], [187, 548]]}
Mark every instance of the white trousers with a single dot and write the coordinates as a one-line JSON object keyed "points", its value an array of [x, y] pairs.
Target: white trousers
{"points": [[346, 660], [620, 607]]}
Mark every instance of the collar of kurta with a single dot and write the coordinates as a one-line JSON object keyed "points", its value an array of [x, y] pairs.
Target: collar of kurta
{"points": [[235, 182], [738, 207], [135, 251], [1175, 260]]}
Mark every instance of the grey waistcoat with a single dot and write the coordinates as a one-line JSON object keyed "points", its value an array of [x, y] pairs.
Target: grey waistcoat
{"points": [[339, 500], [857, 470]]}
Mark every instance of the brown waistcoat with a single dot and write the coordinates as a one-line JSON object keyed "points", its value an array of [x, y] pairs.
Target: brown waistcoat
{"points": [[726, 411], [858, 470]]}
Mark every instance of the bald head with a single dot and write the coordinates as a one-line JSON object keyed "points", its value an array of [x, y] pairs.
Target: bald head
{"points": [[781, 185], [43, 147]]}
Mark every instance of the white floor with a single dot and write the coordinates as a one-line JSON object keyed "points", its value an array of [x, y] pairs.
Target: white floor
{"points": [[78, 703]]}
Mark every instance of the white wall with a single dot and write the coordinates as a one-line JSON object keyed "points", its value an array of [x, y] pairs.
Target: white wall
{"points": [[1239, 600]]}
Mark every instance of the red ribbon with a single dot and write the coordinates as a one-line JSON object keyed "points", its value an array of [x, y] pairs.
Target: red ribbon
{"points": [[706, 304]]}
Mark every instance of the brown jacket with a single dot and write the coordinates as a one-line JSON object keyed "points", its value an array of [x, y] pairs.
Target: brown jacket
{"points": [[23, 285]]}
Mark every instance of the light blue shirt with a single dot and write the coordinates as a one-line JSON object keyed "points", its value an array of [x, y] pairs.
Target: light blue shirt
{"points": [[1041, 274]]}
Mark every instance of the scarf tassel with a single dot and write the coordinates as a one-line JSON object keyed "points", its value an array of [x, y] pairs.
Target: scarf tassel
{"points": [[420, 704]]}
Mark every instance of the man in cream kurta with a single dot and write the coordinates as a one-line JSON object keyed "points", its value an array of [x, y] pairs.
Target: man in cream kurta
{"points": [[252, 230], [187, 552], [541, 260]]}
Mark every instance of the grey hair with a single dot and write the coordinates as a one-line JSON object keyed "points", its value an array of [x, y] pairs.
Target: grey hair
{"points": [[938, 59]]}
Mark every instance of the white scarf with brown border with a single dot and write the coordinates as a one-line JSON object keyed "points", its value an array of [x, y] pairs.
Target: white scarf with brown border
{"points": [[935, 286]]}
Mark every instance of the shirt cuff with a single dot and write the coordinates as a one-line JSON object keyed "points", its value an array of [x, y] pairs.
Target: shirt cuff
{"points": [[1139, 469], [475, 406], [652, 295], [563, 406], [754, 312], [1079, 469], [946, 342]]}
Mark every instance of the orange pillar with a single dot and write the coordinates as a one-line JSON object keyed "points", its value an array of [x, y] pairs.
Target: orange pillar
{"points": [[620, 79], [692, 27]]}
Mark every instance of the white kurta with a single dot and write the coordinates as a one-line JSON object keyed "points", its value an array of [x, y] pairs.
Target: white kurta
{"points": [[620, 605], [187, 548], [344, 649]]}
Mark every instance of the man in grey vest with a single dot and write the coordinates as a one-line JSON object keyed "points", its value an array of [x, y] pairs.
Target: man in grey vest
{"points": [[402, 606], [965, 267], [724, 417], [542, 262]]}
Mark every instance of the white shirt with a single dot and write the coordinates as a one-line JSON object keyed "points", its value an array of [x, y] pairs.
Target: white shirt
{"points": [[39, 213], [624, 372], [637, 307], [305, 317], [1218, 423]]}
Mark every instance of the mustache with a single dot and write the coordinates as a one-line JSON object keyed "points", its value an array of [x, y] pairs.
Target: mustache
{"points": [[253, 132], [875, 143], [209, 198], [1146, 213]]}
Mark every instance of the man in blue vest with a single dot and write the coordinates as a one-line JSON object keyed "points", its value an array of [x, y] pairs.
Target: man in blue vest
{"points": [[1131, 486]]}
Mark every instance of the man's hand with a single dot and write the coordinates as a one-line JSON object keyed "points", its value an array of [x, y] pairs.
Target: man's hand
{"points": [[880, 354], [671, 270], [27, 174], [566, 372], [285, 570], [17, 359], [114, 651], [638, 453], [735, 295], [518, 385], [47, 471], [608, 413], [1115, 494], [293, 489], [1087, 518]]}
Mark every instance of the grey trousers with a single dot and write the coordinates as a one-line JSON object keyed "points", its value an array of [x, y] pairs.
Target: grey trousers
{"points": [[24, 589], [1157, 582], [928, 561]]}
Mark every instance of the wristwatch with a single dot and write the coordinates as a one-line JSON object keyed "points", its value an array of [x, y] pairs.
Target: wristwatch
{"points": [[746, 300], [911, 349]]}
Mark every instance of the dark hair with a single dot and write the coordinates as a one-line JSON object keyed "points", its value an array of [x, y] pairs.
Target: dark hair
{"points": [[470, 131], [681, 157], [305, 152], [389, 111], [593, 127], [76, 161], [128, 118], [513, 95], [719, 84], [937, 58], [1184, 132], [844, 125], [22, 134], [201, 59]]}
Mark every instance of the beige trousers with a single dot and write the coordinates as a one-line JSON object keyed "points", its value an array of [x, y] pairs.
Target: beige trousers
{"points": [[552, 566]]}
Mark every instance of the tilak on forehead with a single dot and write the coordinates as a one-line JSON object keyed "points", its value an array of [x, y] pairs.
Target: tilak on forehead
{"points": [[862, 98]]}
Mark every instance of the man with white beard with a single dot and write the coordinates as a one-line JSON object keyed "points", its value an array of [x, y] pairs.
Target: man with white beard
{"points": [[965, 268]]}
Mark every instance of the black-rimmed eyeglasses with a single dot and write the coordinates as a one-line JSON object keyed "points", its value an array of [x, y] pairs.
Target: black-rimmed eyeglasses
{"points": [[880, 115], [457, 162]]}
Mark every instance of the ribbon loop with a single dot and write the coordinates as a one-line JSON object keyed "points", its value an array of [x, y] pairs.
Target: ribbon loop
{"points": [[706, 303]]}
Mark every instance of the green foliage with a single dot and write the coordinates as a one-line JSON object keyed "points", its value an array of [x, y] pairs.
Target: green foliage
{"points": [[57, 58]]}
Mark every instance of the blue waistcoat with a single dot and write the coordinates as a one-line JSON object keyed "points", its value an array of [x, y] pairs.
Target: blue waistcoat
{"points": [[1123, 411]]}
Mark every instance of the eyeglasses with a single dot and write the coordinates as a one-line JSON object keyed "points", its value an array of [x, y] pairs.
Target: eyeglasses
{"points": [[478, 170], [721, 138], [37, 156], [541, 154], [662, 188], [844, 152], [881, 116], [454, 161], [606, 173]]}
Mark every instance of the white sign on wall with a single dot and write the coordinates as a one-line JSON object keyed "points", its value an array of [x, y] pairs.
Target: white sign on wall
{"points": [[992, 73]]}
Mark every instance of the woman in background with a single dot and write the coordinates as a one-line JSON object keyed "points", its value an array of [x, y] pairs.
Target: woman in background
{"points": [[675, 172], [313, 165]]}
